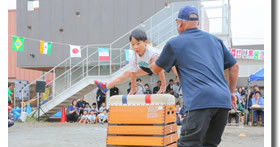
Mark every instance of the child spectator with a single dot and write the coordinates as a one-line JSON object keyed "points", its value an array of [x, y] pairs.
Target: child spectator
{"points": [[84, 117], [87, 107], [94, 108], [102, 108], [177, 109], [147, 89], [103, 117], [92, 117]]}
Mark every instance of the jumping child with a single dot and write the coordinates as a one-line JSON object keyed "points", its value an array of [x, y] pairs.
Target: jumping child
{"points": [[138, 64]]}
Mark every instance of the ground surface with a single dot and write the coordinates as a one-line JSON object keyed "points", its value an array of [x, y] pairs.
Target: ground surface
{"points": [[88, 135]]}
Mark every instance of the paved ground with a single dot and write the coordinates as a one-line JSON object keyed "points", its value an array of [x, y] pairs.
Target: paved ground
{"points": [[94, 135]]}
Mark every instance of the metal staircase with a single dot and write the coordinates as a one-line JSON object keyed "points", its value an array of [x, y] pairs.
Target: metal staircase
{"points": [[74, 77]]}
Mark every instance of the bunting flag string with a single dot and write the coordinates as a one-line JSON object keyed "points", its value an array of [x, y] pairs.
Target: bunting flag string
{"points": [[248, 54]]}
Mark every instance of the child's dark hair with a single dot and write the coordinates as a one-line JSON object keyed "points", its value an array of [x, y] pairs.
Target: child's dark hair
{"points": [[93, 103], [138, 34]]}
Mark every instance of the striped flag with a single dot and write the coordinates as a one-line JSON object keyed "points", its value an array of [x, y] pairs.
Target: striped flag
{"points": [[45, 47], [103, 54]]}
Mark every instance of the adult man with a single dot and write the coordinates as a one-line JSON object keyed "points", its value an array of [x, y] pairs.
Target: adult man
{"points": [[100, 98], [156, 89], [114, 91], [200, 59], [258, 100], [81, 105], [170, 87]]}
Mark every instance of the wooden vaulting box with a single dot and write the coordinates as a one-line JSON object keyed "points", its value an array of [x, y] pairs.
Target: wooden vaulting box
{"points": [[142, 120]]}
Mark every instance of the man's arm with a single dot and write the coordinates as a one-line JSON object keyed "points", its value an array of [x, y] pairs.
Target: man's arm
{"points": [[233, 77]]}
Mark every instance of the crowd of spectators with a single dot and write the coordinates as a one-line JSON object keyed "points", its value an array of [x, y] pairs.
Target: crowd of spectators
{"points": [[82, 112]]}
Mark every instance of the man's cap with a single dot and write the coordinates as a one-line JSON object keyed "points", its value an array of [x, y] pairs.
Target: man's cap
{"points": [[184, 13]]}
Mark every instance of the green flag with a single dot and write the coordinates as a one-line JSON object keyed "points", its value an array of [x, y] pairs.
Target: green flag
{"points": [[18, 43], [257, 54]]}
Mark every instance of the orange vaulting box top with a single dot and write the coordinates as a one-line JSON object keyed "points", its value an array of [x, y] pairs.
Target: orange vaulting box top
{"points": [[142, 109]]}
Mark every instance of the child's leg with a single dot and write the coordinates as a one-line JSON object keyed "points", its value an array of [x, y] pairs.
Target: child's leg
{"points": [[127, 74]]}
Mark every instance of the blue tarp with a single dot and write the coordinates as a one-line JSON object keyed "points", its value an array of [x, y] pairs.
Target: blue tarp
{"points": [[58, 114], [258, 76]]}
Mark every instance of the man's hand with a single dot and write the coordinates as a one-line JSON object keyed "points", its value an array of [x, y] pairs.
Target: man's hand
{"points": [[132, 91], [233, 103], [162, 89]]}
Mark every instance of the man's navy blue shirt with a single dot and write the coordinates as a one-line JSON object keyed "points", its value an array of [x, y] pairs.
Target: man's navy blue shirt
{"points": [[200, 59]]}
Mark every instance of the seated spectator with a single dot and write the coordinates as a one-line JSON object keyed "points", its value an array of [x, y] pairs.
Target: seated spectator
{"points": [[140, 87], [103, 117], [73, 112], [81, 105], [147, 89], [84, 117], [178, 93], [181, 114], [177, 109], [102, 108], [156, 89], [92, 117], [10, 115], [237, 94], [94, 108], [114, 91], [169, 88], [234, 114], [248, 107], [100, 98], [258, 100], [87, 107]]}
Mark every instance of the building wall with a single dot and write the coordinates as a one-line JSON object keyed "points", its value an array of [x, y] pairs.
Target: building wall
{"points": [[99, 22], [15, 73]]}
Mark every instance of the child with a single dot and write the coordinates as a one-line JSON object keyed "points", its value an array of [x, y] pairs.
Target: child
{"points": [[102, 108], [87, 108], [94, 108], [139, 63], [92, 117], [84, 117], [103, 117]]}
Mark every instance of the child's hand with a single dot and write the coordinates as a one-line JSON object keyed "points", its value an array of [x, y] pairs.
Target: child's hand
{"points": [[132, 90], [161, 90]]}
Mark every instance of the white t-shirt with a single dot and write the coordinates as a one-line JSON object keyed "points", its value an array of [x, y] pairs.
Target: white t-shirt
{"points": [[91, 117], [84, 116], [135, 61], [101, 109]]}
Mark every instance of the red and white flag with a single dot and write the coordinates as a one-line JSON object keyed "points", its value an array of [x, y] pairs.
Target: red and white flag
{"points": [[103, 54], [233, 52], [75, 51], [237, 53]]}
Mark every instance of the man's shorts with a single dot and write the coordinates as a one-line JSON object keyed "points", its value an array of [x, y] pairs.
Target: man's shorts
{"points": [[147, 70]]}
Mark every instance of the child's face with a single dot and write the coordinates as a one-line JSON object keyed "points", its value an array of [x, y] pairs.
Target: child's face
{"points": [[138, 46], [103, 105], [85, 112], [94, 106], [104, 112], [91, 113], [87, 106]]}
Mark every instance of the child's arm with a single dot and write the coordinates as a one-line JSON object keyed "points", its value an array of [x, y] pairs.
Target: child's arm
{"points": [[133, 79], [163, 85]]}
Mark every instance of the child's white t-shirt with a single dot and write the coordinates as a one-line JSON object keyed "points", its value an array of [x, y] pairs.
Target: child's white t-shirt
{"points": [[91, 117], [135, 60], [84, 116], [103, 116], [94, 109], [101, 109]]}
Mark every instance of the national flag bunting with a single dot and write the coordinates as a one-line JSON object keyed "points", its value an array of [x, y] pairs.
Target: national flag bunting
{"points": [[45, 47], [256, 54], [262, 55], [128, 54], [233, 52], [237, 53], [103, 54], [75, 51], [18, 43]]}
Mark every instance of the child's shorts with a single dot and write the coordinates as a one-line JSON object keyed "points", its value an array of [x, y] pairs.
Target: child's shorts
{"points": [[147, 70]]}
